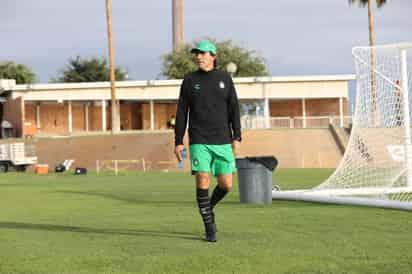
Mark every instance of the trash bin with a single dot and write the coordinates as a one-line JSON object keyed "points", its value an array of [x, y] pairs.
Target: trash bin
{"points": [[255, 179]]}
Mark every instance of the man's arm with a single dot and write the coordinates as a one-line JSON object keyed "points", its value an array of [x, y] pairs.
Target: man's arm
{"points": [[235, 147], [181, 119], [234, 113]]}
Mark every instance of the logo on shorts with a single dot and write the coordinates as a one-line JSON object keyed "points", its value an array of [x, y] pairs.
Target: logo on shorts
{"points": [[221, 84], [195, 162]]}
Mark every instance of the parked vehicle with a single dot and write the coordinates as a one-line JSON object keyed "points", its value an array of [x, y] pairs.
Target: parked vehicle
{"points": [[16, 156]]}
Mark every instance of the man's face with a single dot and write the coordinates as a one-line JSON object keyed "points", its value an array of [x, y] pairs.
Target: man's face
{"points": [[205, 60]]}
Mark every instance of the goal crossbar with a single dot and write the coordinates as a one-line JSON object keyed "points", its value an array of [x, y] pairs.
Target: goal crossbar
{"points": [[313, 197], [352, 191]]}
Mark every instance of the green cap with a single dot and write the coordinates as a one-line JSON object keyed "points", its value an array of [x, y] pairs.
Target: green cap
{"points": [[204, 46]]}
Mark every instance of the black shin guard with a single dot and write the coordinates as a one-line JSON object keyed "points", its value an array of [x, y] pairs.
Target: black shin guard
{"points": [[202, 197], [217, 196]]}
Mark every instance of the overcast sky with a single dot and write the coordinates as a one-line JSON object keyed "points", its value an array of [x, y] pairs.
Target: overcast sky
{"points": [[295, 37]]}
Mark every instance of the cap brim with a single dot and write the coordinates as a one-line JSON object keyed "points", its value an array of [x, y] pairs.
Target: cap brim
{"points": [[196, 50], [201, 51]]}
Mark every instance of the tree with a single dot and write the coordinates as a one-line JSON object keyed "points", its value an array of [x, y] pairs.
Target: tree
{"points": [[88, 70], [379, 3], [249, 63], [21, 73]]}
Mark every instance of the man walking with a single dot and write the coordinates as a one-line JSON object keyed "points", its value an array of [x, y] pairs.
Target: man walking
{"points": [[209, 96]]}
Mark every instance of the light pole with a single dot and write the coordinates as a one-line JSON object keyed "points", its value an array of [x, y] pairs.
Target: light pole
{"points": [[114, 105], [231, 68]]}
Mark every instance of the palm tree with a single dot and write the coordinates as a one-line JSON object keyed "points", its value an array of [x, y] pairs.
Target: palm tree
{"points": [[379, 3]]}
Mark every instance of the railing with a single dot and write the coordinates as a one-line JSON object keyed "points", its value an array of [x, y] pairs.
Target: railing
{"points": [[254, 122]]}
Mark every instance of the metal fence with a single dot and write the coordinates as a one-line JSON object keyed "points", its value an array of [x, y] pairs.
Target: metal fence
{"points": [[259, 122]]}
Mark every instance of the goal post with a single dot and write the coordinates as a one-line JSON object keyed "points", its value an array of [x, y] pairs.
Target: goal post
{"points": [[405, 93], [376, 169], [117, 166]]}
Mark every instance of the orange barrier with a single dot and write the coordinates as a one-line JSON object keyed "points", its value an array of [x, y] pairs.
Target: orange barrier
{"points": [[41, 169]]}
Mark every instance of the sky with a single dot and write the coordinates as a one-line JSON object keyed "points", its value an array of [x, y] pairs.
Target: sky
{"points": [[295, 37]]}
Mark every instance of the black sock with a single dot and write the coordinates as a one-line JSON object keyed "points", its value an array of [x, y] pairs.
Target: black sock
{"points": [[202, 197], [218, 194]]}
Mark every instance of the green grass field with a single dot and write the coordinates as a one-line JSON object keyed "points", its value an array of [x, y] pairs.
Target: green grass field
{"points": [[149, 223]]}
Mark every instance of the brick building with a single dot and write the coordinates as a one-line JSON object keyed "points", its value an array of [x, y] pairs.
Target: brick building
{"points": [[80, 108]]}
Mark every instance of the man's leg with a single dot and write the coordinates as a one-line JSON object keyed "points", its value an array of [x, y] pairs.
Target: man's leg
{"points": [[223, 167], [203, 201], [224, 185]]}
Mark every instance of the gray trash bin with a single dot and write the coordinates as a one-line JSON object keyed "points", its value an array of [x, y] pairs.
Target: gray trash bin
{"points": [[255, 179]]}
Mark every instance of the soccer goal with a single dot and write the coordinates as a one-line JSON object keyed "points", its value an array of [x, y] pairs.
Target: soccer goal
{"points": [[117, 166], [376, 169]]}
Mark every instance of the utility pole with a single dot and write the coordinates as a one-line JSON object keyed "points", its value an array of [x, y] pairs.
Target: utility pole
{"points": [[375, 110], [370, 24], [177, 24], [114, 104]]}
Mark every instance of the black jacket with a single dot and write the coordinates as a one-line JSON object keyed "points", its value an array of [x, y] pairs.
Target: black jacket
{"points": [[210, 101]]}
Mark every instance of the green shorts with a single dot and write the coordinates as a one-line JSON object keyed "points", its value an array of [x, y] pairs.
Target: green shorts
{"points": [[215, 158]]}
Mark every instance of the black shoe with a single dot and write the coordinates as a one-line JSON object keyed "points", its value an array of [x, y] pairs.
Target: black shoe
{"points": [[210, 233], [213, 220], [211, 237]]}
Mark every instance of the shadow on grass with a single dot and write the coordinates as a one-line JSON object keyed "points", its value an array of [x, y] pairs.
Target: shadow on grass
{"points": [[78, 229], [18, 185], [232, 202], [131, 200], [276, 204]]}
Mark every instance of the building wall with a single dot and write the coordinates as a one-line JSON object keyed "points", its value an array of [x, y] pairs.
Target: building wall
{"points": [[298, 90], [13, 111], [131, 115], [126, 116], [136, 115], [289, 87], [314, 107], [325, 107], [284, 93], [95, 117], [78, 117], [162, 114], [54, 117], [108, 115], [30, 126], [286, 108], [319, 151]]}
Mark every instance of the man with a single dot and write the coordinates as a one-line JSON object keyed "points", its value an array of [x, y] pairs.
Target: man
{"points": [[172, 122], [214, 130]]}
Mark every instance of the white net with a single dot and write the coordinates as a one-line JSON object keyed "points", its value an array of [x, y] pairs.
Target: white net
{"points": [[376, 169], [377, 160], [120, 166]]}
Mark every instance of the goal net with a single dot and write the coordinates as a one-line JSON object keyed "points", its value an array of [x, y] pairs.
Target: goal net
{"points": [[120, 166], [376, 169]]}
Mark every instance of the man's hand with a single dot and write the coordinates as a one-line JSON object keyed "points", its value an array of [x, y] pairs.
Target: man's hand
{"points": [[178, 152], [235, 148]]}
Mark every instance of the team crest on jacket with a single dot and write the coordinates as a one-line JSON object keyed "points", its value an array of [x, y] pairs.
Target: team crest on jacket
{"points": [[221, 84], [196, 88]]}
